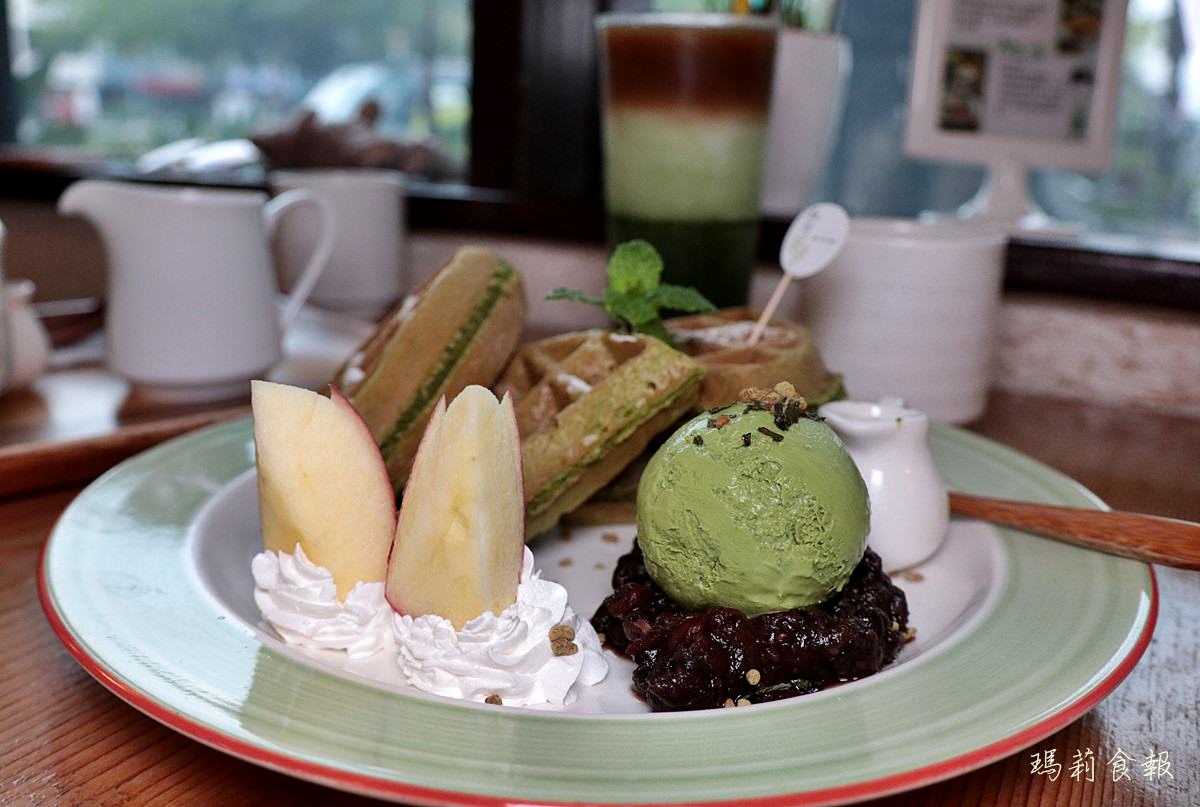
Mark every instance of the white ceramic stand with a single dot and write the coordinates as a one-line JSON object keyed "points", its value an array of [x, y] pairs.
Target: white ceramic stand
{"points": [[1003, 200]]}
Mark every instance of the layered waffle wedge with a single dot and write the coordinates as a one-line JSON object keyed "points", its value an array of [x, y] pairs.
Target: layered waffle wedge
{"points": [[718, 341], [786, 352], [588, 404], [460, 328]]}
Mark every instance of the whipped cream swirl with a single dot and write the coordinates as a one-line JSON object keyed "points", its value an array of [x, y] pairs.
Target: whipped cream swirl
{"points": [[508, 655], [299, 599]]}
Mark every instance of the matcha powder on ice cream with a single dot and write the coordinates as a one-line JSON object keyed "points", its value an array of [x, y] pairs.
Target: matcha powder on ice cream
{"points": [[744, 509]]}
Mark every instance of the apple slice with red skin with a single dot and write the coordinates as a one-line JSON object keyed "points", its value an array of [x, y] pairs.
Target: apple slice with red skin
{"points": [[460, 537], [322, 482]]}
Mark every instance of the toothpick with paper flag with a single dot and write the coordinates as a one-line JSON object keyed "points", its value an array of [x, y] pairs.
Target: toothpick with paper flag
{"points": [[813, 240]]}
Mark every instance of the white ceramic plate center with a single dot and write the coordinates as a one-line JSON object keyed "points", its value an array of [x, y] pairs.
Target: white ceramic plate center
{"points": [[947, 595]]}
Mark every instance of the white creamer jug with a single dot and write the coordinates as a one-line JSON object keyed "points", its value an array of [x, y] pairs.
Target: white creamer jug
{"points": [[191, 288], [889, 442]]}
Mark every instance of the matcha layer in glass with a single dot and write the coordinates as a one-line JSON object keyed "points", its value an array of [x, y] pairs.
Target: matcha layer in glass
{"points": [[685, 114]]}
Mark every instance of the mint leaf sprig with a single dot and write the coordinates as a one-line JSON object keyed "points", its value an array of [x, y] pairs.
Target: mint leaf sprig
{"points": [[636, 296]]}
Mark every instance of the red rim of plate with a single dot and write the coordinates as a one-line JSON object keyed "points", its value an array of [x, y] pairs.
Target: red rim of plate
{"points": [[390, 789]]}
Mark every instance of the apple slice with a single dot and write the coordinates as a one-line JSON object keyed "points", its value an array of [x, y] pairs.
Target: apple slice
{"points": [[322, 483], [461, 534]]}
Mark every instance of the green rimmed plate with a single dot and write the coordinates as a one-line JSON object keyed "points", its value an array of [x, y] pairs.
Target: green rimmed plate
{"points": [[145, 581]]}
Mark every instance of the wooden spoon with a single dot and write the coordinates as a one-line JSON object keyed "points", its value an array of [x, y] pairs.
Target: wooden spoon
{"points": [[1151, 539]]}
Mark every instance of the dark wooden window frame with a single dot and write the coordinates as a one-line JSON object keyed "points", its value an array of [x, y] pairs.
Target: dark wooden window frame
{"points": [[535, 164]]}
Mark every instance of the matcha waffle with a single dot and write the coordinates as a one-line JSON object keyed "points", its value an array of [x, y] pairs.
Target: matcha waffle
{"points": [[786, 352], [587, 405], [718, 341], [460, 328]]}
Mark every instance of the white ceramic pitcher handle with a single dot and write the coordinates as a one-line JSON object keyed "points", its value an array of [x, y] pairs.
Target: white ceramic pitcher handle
{"points": [[274, 211]]}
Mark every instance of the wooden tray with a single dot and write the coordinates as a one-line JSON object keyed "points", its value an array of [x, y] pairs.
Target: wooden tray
{"points": [[79, 419]]}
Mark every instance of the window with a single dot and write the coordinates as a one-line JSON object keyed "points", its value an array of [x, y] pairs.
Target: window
{"points": [[114, 78], [118, 78], [1153, 187]]}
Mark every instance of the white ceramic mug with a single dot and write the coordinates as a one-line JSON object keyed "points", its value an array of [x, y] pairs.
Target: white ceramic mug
{"points": [[807, 98], [191, 311], [910, 309], [365, 270]]}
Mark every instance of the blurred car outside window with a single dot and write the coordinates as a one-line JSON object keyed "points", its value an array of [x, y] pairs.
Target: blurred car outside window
{"points": [[116, 79]]}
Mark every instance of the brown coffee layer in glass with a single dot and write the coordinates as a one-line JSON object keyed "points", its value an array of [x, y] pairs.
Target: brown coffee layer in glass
{"points": [[705, 68]]}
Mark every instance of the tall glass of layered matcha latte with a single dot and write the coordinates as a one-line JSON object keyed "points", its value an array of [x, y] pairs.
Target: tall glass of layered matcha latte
{"points": [[685, 117]]}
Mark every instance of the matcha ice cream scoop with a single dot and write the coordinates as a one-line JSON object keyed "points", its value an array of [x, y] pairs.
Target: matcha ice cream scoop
{"points": [[734, 510]]}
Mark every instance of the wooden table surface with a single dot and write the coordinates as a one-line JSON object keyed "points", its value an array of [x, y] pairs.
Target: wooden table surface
{"points": [[65, 740]]}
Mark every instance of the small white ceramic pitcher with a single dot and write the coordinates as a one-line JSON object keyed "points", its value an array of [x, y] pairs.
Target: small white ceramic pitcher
{"points": [[191, 286], [6, 357], [25, 342], [889, 442]]}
